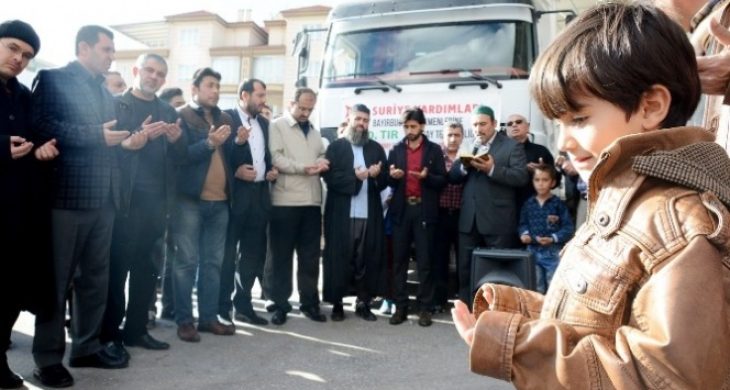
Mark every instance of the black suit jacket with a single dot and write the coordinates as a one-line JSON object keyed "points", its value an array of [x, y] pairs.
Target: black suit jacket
{"points": [[491, 201], [431, 186], [71, 105], [241, 154]]}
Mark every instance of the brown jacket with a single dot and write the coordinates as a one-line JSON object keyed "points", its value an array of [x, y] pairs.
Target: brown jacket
{"points": [[641, 298]]}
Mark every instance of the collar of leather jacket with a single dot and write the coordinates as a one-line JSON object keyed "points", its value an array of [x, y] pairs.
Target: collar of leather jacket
{"points": [[686, 156]]}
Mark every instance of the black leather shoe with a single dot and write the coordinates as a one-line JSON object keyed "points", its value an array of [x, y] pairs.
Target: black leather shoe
{"points": [[424, 318], [313, 313], [54, 376], [100, 359], [400, 315], [362, 310], [9, 379], [146, 341], [279, 318], [338, 313], [116, 350], [250, 317]]}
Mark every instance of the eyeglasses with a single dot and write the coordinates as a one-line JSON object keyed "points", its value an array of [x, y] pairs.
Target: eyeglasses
{"points": [[515, 122], [15, 49]]}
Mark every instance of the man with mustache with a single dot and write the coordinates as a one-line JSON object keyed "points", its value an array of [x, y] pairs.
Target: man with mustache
{"points": [[488, 209], [148, 198], [417, 175], [353, 217]]}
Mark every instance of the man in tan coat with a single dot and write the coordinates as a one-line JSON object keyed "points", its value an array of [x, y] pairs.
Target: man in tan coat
{"points": [[297, 152]]}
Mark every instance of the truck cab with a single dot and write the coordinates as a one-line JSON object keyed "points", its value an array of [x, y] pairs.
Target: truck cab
{"points": [[446, 57]]}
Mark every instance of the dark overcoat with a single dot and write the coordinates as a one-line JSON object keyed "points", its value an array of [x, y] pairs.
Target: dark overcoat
{"points": [[342, 185], [25, 263]]}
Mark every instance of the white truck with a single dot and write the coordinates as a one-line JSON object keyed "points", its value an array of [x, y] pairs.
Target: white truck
{"points": [[445, 56]]}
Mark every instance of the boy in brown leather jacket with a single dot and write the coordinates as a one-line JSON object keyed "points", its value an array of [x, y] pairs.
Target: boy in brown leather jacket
{"points": [[641, 298]]}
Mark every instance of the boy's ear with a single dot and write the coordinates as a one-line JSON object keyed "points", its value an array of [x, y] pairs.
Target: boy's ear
{"points": [[654, 106]]}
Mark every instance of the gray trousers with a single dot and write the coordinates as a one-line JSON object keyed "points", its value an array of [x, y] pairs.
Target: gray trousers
{"points": [[81, 247]]}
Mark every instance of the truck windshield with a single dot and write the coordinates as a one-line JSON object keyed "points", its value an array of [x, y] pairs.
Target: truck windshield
{"points": [[430, 53]]}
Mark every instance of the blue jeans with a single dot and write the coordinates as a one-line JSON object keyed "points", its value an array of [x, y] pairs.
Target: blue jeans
{"points": [[200, 233], [546, 262]]}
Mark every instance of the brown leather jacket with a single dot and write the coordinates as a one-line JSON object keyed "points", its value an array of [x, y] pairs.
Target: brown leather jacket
{"points": [[641, 298]]}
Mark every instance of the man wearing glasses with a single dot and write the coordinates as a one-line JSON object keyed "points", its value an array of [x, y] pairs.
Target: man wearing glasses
{"points": [[297, 152], [488, 207], [518, 128]]}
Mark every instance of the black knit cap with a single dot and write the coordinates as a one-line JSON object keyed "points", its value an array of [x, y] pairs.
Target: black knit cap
{"points": [[21, 30]]}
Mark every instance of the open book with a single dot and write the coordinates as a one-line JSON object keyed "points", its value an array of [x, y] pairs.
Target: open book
{"points": [[467, 157]]}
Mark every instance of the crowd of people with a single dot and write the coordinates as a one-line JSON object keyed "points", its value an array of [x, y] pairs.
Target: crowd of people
{"points": [[116, 186], [104, 189]]}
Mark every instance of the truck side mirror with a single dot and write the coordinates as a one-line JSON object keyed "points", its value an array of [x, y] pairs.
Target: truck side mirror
{"points": [[302, 82]]}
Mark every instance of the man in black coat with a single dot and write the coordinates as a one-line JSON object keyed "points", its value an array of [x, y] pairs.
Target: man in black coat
{"points": [[417, 176], [489, 202], [354, 237], [26, 281], [148, 192], [246, 244], [72, 105]]}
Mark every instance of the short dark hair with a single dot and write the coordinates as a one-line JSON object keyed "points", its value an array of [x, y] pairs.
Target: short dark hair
{"points": [[202, 73], [90, 35], [413, 114], [360, 108], [302, 91], [616, 52], [455, 125], [549, 169], [248, 85], [168, 93]]}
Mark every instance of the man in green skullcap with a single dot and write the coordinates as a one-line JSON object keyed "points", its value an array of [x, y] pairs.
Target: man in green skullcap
{"points": [[488, 216]]}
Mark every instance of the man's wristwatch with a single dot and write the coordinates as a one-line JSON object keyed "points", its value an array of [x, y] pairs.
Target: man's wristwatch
{"points": [[209, 144]]}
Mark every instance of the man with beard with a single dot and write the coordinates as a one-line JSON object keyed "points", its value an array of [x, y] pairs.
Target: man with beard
{"points": [[417, 175], [297, 152], [488, 207], [25, 280], [353, 218], [250, 161], [148, 190]]}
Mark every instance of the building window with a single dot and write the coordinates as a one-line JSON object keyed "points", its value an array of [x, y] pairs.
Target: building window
{"points": [[185, 72], [229, 68], [189, 37], [270, 69]]}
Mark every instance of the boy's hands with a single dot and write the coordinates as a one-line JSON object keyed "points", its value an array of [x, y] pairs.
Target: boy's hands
{"points": [[526, 239], [464, 321]]}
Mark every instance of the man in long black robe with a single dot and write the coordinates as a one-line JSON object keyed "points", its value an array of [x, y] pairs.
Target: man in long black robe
{"points": [[353, 219]]}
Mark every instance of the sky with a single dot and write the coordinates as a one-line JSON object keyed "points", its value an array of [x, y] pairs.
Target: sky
{"points": [[58, 21]]}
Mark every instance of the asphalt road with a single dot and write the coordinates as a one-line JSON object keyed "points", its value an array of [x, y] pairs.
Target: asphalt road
{"points": [[301, 354]]}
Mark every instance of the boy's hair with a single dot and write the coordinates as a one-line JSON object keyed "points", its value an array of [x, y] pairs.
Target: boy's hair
{"points": [[549, 169], [615, 52], [413, 114]]}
